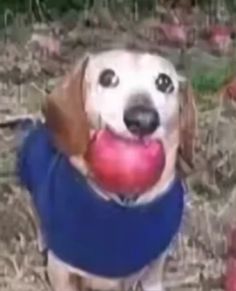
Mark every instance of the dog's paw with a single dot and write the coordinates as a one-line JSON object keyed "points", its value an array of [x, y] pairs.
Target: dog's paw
{"points": [[41, 242], [154, 287]]}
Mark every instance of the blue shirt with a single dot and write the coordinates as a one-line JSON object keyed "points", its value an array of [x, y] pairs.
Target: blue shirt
{"points": [[82, 229]]}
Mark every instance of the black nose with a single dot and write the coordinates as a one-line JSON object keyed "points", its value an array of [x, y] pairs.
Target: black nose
{"points": [[141, 120]]}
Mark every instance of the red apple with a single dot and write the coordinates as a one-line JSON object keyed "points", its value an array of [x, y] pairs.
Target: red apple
{"points": [[231, 90], [125, 166], [230, 275], [175, 34], [220, 39]]}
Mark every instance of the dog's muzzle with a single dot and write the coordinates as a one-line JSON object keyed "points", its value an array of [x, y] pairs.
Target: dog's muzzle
{"points": [[141, 120]]}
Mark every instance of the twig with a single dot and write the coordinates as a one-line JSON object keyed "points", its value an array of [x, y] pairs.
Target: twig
{"points": [[17, 120], [43, 92], [7, 14]]}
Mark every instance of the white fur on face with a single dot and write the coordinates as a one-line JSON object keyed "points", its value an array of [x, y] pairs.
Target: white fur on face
{"points": [[137, 73]]}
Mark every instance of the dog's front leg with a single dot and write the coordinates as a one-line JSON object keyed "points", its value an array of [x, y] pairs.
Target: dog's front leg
{"points": [[152, 280], [60, 277]]}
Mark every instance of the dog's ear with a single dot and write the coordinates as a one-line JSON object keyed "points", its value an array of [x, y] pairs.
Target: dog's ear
{"points": [[65, 113], [188, 128]]}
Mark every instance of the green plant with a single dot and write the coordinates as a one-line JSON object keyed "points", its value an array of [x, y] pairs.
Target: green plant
{"points": [[210, 81], [42, 10]]}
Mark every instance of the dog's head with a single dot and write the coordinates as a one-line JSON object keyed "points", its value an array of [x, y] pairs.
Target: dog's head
{"points": [[135, 95]]}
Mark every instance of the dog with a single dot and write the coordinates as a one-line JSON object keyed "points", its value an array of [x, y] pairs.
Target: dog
{"points": [[95, 238]]}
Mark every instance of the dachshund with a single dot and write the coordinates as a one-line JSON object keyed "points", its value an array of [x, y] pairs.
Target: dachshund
{"points": [[94, 238]]}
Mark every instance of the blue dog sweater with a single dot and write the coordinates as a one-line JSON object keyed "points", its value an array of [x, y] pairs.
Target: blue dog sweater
{"points": [[84, 230]]}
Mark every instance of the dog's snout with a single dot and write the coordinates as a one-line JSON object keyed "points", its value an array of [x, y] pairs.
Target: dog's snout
{"points": [[141, 120]]}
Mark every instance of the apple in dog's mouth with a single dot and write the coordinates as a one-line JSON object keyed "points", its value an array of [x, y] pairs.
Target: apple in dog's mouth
{"points": [[125, 166]]}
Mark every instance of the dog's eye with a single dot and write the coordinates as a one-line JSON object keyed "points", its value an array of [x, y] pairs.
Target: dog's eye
{"points": [[108, 78], [164, 84]]}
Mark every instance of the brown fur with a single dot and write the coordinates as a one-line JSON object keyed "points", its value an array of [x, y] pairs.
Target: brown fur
{"points": [[188, 128], [65, 114]]}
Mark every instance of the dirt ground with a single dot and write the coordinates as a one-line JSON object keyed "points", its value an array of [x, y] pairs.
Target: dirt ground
{"points": [[26, 74]]}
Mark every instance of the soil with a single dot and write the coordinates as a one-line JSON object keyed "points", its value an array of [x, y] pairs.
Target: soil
{"points": [[27, 73]]}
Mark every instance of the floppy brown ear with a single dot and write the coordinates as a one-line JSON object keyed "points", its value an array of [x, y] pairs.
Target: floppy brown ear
{"points": [[65, 113], [188, 128]]}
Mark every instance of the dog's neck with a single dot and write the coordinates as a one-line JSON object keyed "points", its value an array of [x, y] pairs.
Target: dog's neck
{"points": [[156, 191]]}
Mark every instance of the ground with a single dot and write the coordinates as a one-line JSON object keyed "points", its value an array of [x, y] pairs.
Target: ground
{"points": [[26, 74]]}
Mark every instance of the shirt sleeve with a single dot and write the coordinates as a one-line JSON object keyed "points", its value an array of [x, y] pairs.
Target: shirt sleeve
{"points": [[35, 156]]}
